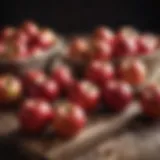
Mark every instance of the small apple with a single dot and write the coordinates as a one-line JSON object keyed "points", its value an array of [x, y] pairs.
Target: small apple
{"points": [[78, 49], [32, 78], [101, 50], [35, 115], [117, 95], [104, 33], [31, 29], [99, 72], [46, 38], [86, 94], [48, 90], [150, 100], [69, 119], [10, 88], [20, 36], [133, 71], [126, 42]]}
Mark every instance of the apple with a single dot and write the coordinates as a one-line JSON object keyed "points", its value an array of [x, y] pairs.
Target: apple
{"points": [[62, 74], [101, 50], [78, 49], [35, 115], [117, 95], [33, 78], [48, 90], [69, 119], [133, 71], [150, 100], [86, 94], [46, 38], [20, 36], [147, 44], [10, 89], [126, 42], [30, 28], [104, 33], [99, 72]]}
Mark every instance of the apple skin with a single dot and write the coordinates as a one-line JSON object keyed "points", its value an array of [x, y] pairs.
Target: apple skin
{"points": [[35, 115], [69, 119], [150, 100], [99, 72], [117, 95], [86, 94], [133, 71]]}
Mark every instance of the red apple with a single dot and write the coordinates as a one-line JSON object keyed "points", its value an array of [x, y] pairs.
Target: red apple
{"points": [[33, 78], [147, 44], [62, 74], [30, 28], [100, 72], [133, 71], [10, 88], [126, 42], [79, 49], [150, 100], [46, 38], [101, 50], [48, 90], [35, 115], [104, 33], [69, 119], [20, 36], [86, 94], [117, 95]]}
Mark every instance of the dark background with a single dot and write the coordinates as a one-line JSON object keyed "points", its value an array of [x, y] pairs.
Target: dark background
{"points": [[80, 15]]}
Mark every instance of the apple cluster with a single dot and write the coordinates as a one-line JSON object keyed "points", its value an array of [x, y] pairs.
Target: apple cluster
{"points": [[25, 41], [62, 100], [104, 44]]}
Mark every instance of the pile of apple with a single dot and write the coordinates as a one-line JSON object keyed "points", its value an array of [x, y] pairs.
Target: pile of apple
{"points": [[104, 44], [63, 101], [25, 41]]}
